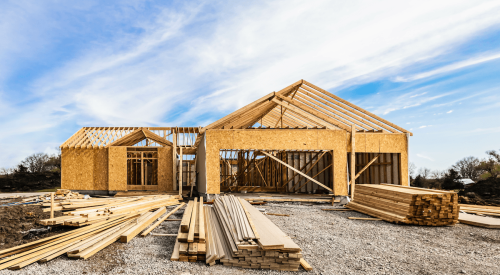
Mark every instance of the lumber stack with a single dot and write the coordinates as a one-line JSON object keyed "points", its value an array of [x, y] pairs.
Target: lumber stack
{"points": [[191, 239], [486, 222], [239, 235], [406, 205], [80, 212], [83, 242]]}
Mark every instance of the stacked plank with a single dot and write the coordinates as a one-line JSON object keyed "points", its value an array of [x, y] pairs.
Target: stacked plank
{"points": [[84, 242], [480, 209], [80, 212], [239, 235], [190, 244], [406, 205]]}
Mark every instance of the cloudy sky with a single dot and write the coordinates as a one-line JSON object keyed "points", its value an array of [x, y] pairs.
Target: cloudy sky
{"points": [[431, 67]]}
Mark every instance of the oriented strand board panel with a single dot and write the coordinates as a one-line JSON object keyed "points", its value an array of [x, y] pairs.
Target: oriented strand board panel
{"points": [[77, 169], [201, 158], [100, 164], [165, 168], [271, 139], [117, 168]]}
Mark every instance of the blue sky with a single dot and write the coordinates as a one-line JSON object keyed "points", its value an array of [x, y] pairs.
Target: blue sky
{"points": [[431, 67]]}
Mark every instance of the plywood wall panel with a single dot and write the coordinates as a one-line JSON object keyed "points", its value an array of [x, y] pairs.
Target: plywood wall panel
{"points": [[165, 162], [100, 167], [78, 164], [117, 165]]}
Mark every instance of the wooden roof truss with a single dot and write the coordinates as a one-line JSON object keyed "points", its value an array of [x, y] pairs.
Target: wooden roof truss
{"points": [[304, 105]]}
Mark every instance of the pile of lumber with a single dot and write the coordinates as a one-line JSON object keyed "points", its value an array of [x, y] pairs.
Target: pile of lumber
{"points": [[480, 221], [480, 209], [237, 234], [406, 205], [190, 244], [83, 242], [80, 212]]}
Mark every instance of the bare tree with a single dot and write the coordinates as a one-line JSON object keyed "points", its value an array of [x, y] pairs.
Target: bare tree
{"points": [[412, 168], [437, 174], [424, 172], [36, 163], [467, 167]]}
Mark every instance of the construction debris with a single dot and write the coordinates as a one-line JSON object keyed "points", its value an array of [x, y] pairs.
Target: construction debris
{"points": [[406, 205]]}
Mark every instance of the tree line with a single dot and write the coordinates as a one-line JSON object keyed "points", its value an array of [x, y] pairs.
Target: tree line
{"points": [[467, 168], [36, 163]]}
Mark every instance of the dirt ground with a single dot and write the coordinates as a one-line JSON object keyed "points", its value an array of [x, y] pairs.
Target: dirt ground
{"points": [[331, 243], [18, 224]]}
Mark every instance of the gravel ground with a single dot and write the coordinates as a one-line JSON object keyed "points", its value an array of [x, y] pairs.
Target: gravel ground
{"points": [[331, 243]]}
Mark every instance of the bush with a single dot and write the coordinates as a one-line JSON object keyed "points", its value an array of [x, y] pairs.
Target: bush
{"points": [[451, 180]]}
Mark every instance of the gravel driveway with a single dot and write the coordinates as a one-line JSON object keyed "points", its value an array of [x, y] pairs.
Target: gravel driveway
{"points": [[331, 243]]}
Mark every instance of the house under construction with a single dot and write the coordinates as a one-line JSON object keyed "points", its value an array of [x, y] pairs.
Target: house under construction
{"points": [[300, 139]]}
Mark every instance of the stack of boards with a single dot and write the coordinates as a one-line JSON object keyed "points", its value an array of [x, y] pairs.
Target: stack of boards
{"points": [[237, 234], [479, 219], [406, 205], [190, 245], [124, 222], [80, 212]]}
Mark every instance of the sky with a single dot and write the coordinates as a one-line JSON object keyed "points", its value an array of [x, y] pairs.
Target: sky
{"points": [[431, 67]]}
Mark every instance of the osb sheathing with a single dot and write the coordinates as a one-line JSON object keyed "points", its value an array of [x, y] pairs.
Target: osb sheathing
{"points": [[100, 174], [77, 171], [117, 168], [314, 139], [165, 168]]}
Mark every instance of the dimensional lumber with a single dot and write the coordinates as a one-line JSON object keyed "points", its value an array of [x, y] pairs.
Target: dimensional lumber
{"points": [[305, 265], [480, 209], [146, 232], [191, 245], [474, 220], [406, 205], [364, 219]]}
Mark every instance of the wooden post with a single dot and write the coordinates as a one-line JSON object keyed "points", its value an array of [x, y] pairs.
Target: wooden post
{"points": [[353, 161], [180, 173], [52, 205], [174, 163], [333, 177], [142, 169]]}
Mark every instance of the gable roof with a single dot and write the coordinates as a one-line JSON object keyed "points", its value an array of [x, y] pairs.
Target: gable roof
{"points": [[100, 137], [303, 104], [138, 136]]}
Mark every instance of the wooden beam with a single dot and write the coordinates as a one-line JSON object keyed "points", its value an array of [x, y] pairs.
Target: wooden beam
{"points": [[305, 114], [313, 180], [353, 160], [366, 166], [180, 173]]}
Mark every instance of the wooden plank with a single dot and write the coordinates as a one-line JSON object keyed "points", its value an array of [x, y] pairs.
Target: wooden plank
{"points": [[475, 220], [193, 221], [130, 234], [353, 161], [364, 219], [305, 265], [186, 218], [146, 232], [201, 221]]}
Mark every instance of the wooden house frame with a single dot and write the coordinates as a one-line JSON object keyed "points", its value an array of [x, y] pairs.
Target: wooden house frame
{"points": [[299, 139]]}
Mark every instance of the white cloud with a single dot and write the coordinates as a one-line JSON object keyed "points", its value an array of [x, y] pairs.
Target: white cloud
{"points": [[190, 64], [449, 112], [423, 126], [451, 67], [425, 157]]}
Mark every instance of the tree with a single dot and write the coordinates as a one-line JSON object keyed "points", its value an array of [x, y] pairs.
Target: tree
{"points": [[412, 168], [490, 167], [467, 167], [54, 162], [424, 172], [36, 163], [437, 174], [451, 180]]}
